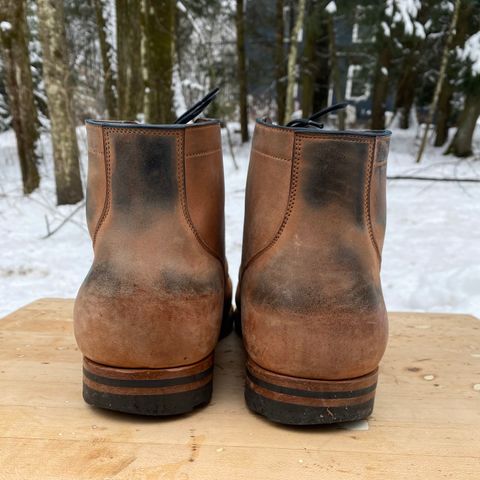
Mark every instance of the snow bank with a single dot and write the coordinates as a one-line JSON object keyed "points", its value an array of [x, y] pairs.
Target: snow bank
{"points": [[431, 253]]}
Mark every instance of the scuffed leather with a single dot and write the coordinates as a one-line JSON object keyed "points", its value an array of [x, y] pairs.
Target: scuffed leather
{"points": [[154, 297], [311, 302]]}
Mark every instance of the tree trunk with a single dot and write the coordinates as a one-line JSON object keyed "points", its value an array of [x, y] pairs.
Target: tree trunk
{"points": [[335, 71], [315, 71], [463, 29], [158, 46], [280, 65], [405, 94], [443, 114], [308, 62], [105, 51], [461, 145], [19, 86], [441, 77], [380, 88], [130, 85], [414, 48], [242, 70], [381, 77], [59, 89], [292, 60]]}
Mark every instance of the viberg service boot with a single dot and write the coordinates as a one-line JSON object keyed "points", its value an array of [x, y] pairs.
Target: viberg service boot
{"points": [[149, 313], [312, 312]]}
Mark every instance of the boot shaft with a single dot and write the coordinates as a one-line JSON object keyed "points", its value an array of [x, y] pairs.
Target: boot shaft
{"points": [[317, 187], [144, 178]]}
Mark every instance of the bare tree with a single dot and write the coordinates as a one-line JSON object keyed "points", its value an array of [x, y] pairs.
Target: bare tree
{"points": [[292, 59], [19, 86], [158, 46], [381, 76], [59, 89], [441, 77], [335, 71], [105, 50], [242, 69], [280, 62], [129, 63], [315, 72], [461, 144], [463, 29]]}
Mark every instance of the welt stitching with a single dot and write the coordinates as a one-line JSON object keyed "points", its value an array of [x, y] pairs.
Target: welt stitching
{"points": [[183, 201], [348, 138], [196, 127], [290, 203], [367, 197], [270, 156], [203, 154], [278, 130], [106, 203], [153, 133]]}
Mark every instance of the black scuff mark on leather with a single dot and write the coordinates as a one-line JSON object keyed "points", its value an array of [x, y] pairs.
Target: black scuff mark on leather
{"points": [[335, 171], [145, 175], [339, 282]]}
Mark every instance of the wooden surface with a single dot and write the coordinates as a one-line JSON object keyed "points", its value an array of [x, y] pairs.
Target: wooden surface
{"points": [[426, 422]]}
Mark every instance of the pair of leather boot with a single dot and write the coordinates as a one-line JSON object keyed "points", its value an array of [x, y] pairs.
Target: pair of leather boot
{"points": [[158, 296]]}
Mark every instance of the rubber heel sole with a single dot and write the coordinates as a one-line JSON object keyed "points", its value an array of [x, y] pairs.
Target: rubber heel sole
{"points": [[156, 392], [300, 401]]}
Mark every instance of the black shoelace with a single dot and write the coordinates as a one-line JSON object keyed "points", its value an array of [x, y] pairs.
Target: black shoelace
{"points": [[311, 121], [198, 108]]}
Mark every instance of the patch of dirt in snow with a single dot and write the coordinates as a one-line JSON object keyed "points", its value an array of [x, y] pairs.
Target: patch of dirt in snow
{"points": [[431, 251]]}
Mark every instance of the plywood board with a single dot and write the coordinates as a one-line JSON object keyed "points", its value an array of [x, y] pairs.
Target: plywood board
{"points": [[426, 422]]}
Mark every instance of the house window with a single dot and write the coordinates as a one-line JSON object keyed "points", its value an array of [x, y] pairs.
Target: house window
{"points": [[361, 33], [355, 38], [356, 88]]}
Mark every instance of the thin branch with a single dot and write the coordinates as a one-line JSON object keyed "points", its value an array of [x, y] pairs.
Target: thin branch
{"points": [[65, 220], [433, 179], [230, 146]]}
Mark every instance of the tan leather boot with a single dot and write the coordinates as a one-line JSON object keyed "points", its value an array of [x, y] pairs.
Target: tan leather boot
{"points": [[149, 313], [313, 317]]}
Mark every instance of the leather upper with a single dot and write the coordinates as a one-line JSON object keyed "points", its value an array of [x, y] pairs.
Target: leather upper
{"points": [[155, 294], [309, 291]]}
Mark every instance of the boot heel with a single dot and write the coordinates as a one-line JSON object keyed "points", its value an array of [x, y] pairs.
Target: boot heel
{"points": [[301, 401], [157, 392]]}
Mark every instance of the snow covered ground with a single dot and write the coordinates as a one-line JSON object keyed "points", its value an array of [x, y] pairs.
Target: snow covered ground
{"points": [[431, 256]]}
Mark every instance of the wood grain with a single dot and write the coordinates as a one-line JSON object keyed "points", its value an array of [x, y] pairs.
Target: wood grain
{"points": [[426, 422]]}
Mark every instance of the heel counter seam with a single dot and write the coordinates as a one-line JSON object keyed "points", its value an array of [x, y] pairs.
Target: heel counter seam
{"points": [[106, 200], [180, 151], [367, 197], [294, 172]]}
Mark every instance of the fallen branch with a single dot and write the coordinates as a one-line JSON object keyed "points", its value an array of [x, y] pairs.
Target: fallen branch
{"points": [[64, 221], [433, 179], [230, 145]]}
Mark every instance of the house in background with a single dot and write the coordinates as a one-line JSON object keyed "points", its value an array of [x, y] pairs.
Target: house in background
{"points": [[352, 40]]}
